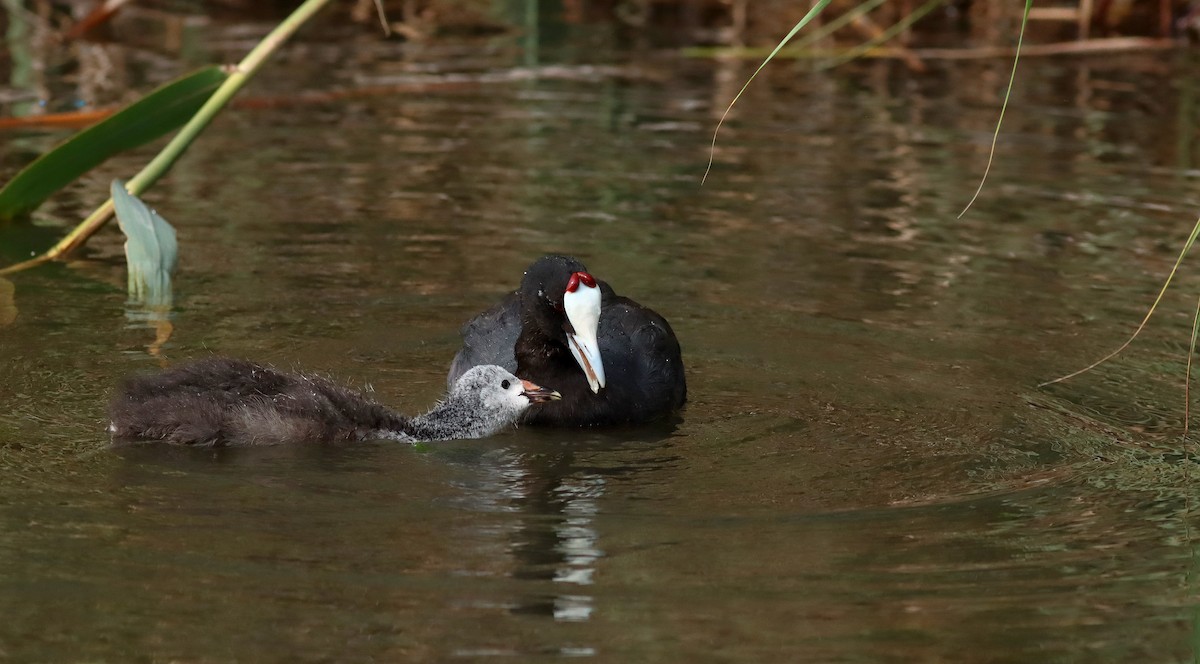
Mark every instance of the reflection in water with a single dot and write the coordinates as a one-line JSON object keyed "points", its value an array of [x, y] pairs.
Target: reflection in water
{"points": [[556, 499], [865, 471], [8, 303]]}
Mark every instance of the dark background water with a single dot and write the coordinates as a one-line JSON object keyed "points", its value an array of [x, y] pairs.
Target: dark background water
{"points": [[866, 470]]}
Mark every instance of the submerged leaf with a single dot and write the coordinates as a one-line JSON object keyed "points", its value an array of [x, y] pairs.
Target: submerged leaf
{"points": [[152, 116], [150, 247]]}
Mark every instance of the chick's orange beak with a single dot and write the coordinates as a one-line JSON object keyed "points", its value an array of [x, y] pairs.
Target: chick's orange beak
{"points": [[538, 394]]}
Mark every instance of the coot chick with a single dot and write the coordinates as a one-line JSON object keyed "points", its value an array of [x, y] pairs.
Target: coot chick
{"points": [[613, 360], [221, 402]]}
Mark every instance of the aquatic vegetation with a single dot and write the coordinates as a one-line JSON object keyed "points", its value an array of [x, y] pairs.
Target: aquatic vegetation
{"points": [[1004, 106], [1187, 246], [151, 250], [158, 113], [236, 78], [882, 37], [812, 13]]}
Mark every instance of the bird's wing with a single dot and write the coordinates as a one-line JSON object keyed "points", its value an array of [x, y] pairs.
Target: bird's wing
{"points": [[642, 342], [489, 338]]}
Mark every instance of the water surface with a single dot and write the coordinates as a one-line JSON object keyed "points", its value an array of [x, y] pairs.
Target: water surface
{"points": [[866, 470]]}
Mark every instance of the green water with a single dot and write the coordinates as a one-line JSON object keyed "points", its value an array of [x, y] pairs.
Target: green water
{"points": [[865, 471]]}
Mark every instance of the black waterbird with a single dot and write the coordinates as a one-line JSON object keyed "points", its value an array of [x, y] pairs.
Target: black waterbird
{"points": [[613, 360]]}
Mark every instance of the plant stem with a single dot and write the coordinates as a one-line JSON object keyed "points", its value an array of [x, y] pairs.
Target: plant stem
{"points": [[25, 265], [238, 76]]}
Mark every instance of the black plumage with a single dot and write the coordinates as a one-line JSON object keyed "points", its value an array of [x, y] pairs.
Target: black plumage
{"points": [[527, 333]]}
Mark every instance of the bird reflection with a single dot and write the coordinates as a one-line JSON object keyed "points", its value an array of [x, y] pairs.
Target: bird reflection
{"points": [[556, 486]]}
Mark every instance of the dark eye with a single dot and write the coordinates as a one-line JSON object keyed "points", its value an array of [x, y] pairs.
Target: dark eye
{"points": [[504, 384]]}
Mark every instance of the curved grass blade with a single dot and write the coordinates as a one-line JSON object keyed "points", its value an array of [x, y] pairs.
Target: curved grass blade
{"points": [[887, 35], [812, 13], [838, 23], [797, 48], [996, 135], [383, 19], [156, 114], [1186, 248], [1187, 376], [151, 250]]}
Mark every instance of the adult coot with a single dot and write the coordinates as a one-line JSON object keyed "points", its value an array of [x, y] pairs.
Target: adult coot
{"points": [[613, 360], [220, 402]]}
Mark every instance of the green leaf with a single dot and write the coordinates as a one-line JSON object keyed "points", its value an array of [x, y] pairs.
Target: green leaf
{"points": [[150, 247], [152, 116]]}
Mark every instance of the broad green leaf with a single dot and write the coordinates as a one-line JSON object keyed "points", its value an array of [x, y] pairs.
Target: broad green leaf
{"points": [[150, 247], [152, 116]]}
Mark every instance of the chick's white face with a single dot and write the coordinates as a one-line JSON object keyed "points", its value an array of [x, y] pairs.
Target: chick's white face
{"points": [[498, 393], [503, 393], [488, 398]]}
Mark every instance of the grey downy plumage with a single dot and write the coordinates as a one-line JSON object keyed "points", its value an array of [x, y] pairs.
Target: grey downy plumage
{"points": [[228, 402]]}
